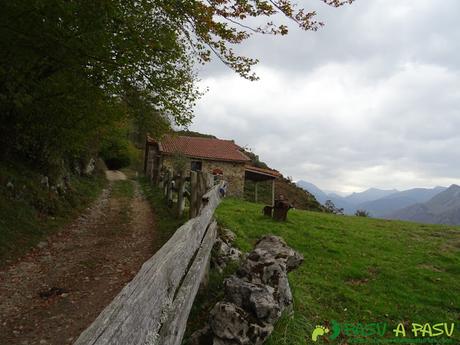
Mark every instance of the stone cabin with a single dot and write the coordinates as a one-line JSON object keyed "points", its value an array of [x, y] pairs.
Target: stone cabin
{"points": [[215, 156]]}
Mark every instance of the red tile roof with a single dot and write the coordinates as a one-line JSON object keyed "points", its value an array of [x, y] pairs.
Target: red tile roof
{"points": [[205, 148]]}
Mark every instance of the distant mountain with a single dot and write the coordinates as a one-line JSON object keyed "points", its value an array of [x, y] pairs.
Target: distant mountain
{"points": [[370, 194], [334, 195], [310, 187], [399, 200], [443, 208], [322, 197]]}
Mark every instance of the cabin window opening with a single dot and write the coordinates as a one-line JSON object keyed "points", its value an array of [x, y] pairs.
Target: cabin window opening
{"points": [[196, 166]]}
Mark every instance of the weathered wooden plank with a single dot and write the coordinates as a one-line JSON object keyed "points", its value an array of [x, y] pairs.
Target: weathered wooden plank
{"points": [[193, 193], [180, 196], [135, 315], [173, 328]]}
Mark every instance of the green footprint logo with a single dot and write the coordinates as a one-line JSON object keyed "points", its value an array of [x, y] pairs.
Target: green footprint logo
{"points": [[318, 331]]}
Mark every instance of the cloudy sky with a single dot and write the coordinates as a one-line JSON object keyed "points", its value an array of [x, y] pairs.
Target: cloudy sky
{"points": [[370, 100]]}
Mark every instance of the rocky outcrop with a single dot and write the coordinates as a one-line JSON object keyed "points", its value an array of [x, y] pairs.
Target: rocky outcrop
{"points": [[255, 297], [223, 251]]}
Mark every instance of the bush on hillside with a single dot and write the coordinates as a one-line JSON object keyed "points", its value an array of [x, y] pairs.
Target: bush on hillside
{"points": [[361, 213], [331, 208], [117, 151]]}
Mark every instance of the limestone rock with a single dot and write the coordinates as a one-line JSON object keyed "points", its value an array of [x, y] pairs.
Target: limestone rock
{"points": [[256, 298], [45, 181], [232, 325], [224, 253], [227, 235], [229, 322], [90, 167], [276, 247]]}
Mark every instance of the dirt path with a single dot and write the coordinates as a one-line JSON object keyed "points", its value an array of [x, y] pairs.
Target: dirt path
{"points": [[57, 289]]}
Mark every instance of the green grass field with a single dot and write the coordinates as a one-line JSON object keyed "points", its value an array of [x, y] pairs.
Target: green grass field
{"points": [[357, 269], [166, 222]]}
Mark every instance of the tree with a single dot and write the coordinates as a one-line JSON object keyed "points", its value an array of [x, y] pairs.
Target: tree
{"points": [[331, 208], [216, 26], [70, 70], [361, 213]]}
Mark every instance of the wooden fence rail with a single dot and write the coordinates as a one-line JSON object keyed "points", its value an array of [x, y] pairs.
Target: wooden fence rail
{"points": [[153, 308]]}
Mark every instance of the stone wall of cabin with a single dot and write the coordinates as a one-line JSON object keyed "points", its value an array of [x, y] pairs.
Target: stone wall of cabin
{"points": [[233, 173]]}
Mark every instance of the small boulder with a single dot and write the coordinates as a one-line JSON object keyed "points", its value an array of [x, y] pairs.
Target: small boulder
{"points": [[224, 253], [89, 168], [45, 181], [229, 322], [276, 247], [232, 325], [227, 235], [256, 298]]}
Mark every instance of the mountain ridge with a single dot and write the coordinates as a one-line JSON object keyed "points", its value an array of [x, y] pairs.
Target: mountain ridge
{"points": [[443, 208], [378, 202]]}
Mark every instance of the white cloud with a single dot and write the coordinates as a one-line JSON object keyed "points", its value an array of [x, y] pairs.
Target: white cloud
{"points": [[371, 101]]}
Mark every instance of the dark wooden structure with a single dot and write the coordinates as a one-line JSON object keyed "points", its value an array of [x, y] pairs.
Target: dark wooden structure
{"points": [[280, 209], [257, 175]]}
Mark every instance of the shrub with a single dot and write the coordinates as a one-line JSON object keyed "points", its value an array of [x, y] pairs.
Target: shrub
{"points": [[362, 213], [331, 208], [116, 151]]}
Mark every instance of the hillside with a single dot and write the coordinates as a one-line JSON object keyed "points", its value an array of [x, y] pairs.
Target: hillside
{"points": [[313, 189], [298, 197], [443, 208], [357, 269], [31, 207], [322, 196]]}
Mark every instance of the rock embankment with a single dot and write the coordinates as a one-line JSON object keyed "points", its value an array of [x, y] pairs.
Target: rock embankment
{"points": [[255, 297]]}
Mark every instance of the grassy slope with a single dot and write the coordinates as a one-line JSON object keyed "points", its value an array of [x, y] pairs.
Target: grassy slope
{"points": [[358, 269], [165, 219], [29, 212], [300, 198]]}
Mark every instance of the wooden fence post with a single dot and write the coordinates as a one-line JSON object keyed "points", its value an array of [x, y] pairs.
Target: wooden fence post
{"points": [[169, 190], [161, 177], [180, 195], [202, 189], [209, 181], [193, 193], [165, 182]]}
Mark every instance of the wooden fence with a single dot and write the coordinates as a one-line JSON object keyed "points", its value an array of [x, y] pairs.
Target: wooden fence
{"points": [[153, 308], [177, 188]]}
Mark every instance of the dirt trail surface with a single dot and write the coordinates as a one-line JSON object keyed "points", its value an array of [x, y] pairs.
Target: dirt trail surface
{"points": [[50, 295]]}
